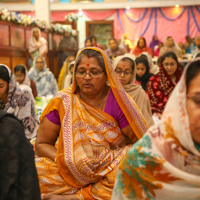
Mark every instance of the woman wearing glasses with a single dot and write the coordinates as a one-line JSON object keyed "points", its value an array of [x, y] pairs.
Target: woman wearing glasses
{"points": [[45, 81], [160, 86], [126, 73], [165, 163], [85, 132]]}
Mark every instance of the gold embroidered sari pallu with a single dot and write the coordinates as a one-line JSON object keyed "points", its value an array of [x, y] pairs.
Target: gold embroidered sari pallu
{"points": [[90, 144]]}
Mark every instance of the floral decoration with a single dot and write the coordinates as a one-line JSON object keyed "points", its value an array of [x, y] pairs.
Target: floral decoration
{"points": [[71, 17], [27, 20]]}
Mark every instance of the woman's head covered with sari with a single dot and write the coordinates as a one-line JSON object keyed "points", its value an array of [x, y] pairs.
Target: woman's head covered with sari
{"points": [[19, 101], [126, 64], [115, 85], [170, 149]]}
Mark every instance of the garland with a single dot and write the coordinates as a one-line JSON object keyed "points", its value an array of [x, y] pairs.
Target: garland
{"points": [[171, 19], [194, 19], [27, 20], [126, 12]]}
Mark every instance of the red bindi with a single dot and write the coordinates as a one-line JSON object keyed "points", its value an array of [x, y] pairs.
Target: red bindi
{"points": [[88, 64], [123, 66]]}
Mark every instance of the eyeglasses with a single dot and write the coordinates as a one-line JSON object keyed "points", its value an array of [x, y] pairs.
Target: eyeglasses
{"points": [[42, 62], [93, 74], [126, 73], [173, 64], [195, 98]]}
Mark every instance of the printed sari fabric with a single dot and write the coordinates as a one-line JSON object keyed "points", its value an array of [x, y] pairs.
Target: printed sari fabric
{"points": [[45, 81], [21, 103], [165, 163], [90, 144], [160, 87]]}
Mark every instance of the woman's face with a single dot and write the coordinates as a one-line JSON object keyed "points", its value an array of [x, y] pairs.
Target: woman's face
{"points": [[141, 43], [124, 72], [193, 108], [36, 34], [87, 84], [88, 43], [19, 77], [170, 65], [140, 69], [39, 63], [3, 90], [170, 42]]}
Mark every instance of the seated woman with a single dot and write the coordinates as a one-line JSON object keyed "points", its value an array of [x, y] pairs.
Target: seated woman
{"points": [[142, 72], [165, 163], [170, 46], [69, 77], [45, 81], [21, 76], [37, 45], [64, 72], [161, 85], [142, 47], [96, 124], [19, 102], [125, 70]]}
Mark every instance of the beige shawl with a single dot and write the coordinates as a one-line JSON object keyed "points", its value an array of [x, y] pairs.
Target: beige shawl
{"points": [[136, 92]]}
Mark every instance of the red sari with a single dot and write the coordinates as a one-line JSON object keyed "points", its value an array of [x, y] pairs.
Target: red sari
{"points": [[137, 50], [160, 87]]}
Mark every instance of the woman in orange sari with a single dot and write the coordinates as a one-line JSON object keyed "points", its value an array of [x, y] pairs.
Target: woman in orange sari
{"points": [[96, 123]]}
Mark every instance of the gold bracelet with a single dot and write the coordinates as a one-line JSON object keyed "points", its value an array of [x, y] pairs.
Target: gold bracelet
{"points": [[55, 160]]}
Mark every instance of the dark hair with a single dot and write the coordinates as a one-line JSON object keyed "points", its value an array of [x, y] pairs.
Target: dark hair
{"points": [[94, 37], [143, 40], [144, 61], [192, 71], [171, 55], [4, 75], [114, 40], [20, 68], [88, 38], [91, 53], [130, 61], [197, 55]]}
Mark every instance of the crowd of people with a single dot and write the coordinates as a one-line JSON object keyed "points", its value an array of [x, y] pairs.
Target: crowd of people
{"points": [[119, 126]]}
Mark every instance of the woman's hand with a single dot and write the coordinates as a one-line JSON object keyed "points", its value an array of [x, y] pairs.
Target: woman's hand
{"points": [[45, 141]]}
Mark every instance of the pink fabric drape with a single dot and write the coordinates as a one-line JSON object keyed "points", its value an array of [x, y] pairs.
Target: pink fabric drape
{"points": [[177, 28], [101, 15]]}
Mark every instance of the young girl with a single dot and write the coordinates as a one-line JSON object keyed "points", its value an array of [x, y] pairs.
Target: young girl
{"points": [[142, 72], [21, 76]]}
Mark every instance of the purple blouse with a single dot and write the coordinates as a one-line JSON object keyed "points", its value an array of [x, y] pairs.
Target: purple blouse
{"points": [[112, 108]]}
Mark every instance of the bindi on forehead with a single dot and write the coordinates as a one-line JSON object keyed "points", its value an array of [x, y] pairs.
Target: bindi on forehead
{"points": [[88, 64], [123, 66]]}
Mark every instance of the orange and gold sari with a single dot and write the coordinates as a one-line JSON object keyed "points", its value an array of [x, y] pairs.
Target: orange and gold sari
{"points": [[90, 144]]}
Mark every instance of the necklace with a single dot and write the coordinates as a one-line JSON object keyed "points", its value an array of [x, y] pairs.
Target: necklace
{"points": [[101, 106]]}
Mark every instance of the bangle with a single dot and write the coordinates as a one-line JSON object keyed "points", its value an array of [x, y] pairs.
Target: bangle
{"points": [[55, 160]]}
